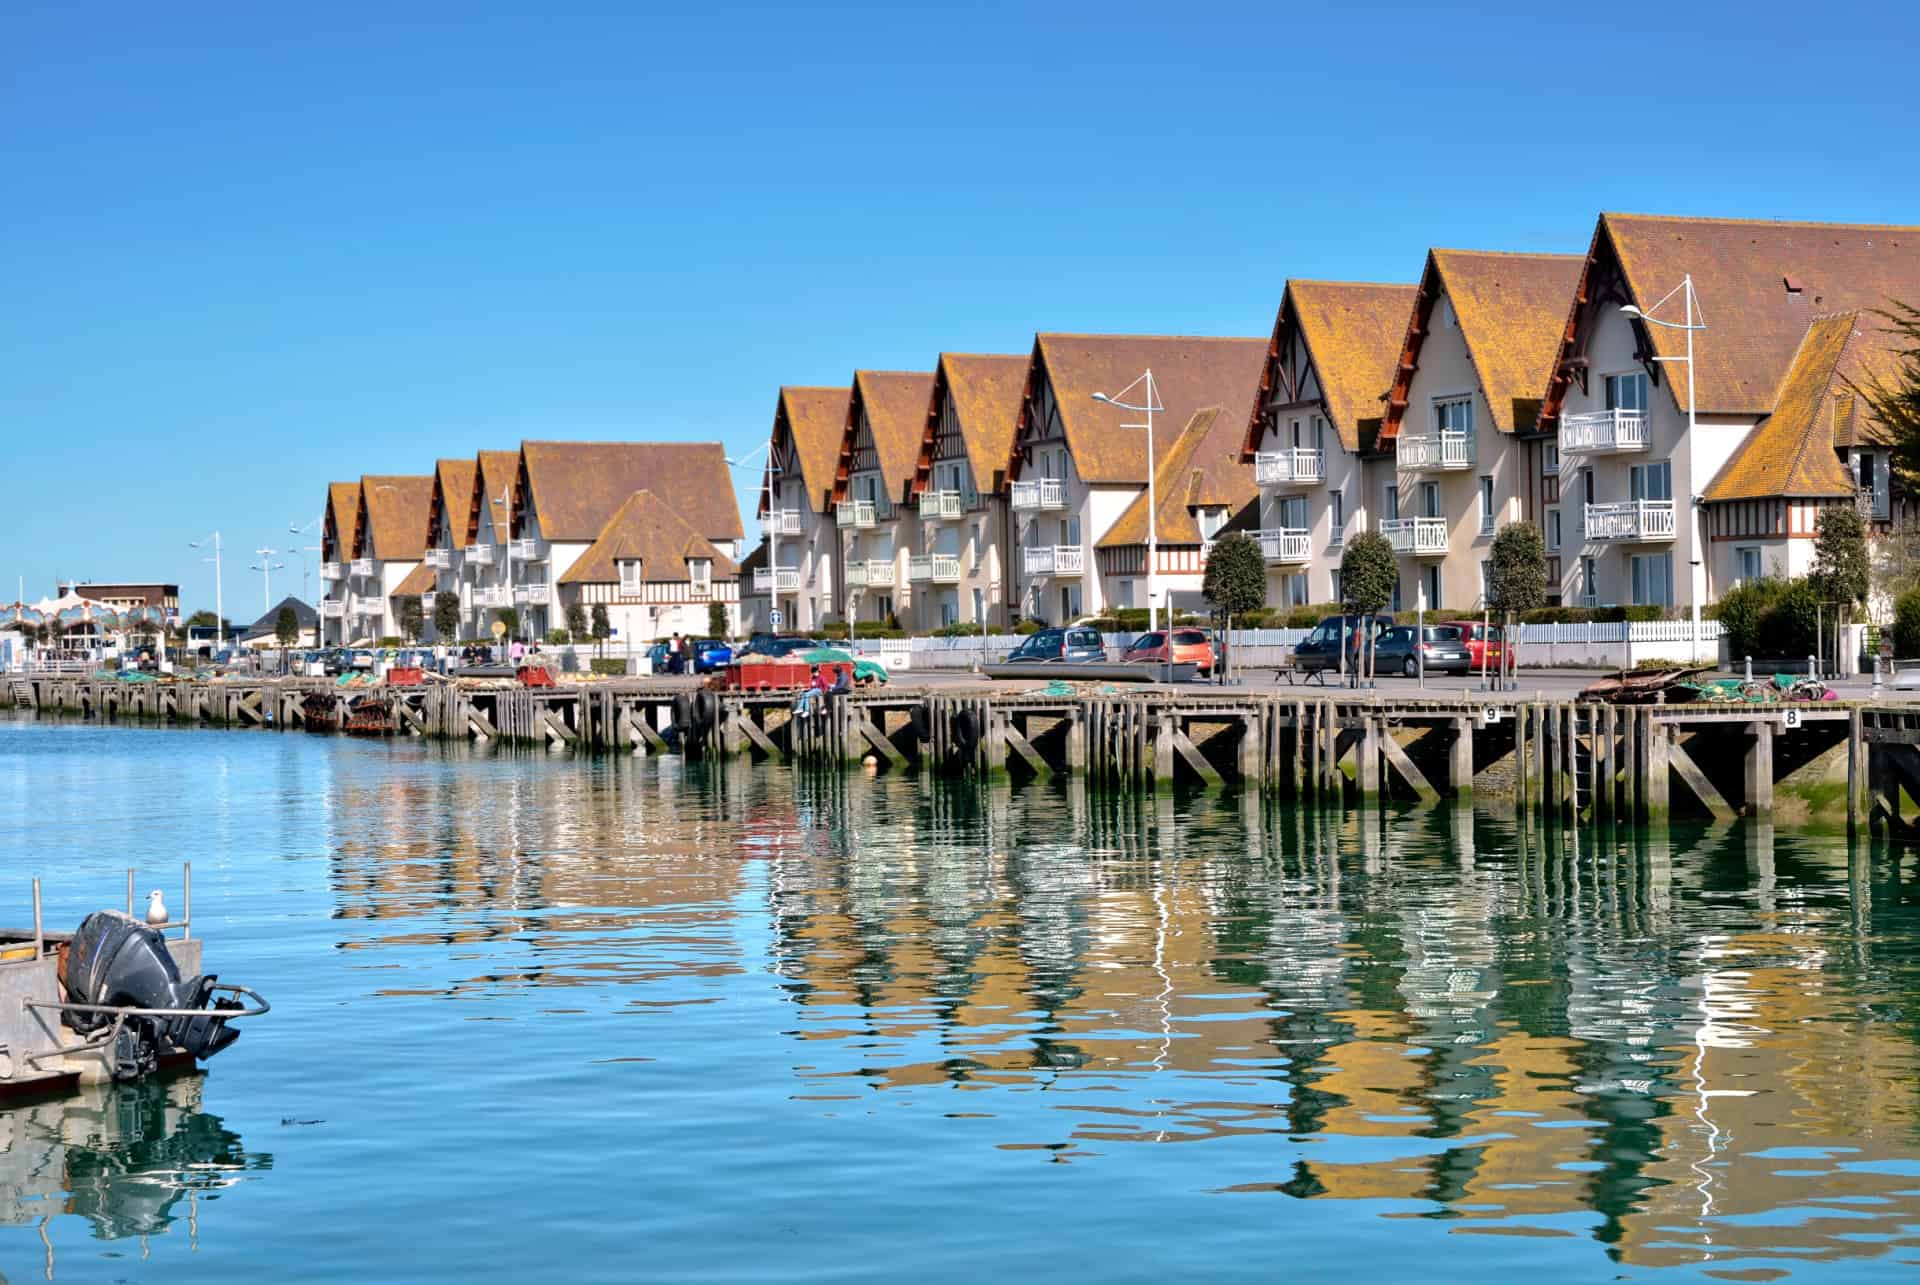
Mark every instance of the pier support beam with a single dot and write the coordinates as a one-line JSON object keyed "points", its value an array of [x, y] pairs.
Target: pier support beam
{"points": [[1759, 775]]}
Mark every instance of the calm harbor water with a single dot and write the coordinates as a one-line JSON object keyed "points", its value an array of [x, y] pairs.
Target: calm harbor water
{"points": [[538, 1017]]}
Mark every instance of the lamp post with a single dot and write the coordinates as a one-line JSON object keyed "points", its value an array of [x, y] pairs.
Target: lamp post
{"points": [[1147, 407], [219, 605], [1695, 320], [306, 573], [266, 567], [773, 528]]}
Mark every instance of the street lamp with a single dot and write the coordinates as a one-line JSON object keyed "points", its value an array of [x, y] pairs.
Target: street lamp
{"points": [[773, 530], [219, 606], [1147, 407], [306, 573], [1695, 320], [266, 567]]}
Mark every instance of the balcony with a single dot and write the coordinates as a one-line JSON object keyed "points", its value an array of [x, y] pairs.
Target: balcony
{"points": [[856, 575], [532, 594], [365, 607], [1040, 493], [880, 573], [941, 506], [492, 596], [1635, 520], [333, 609], [1296, 466], [763, 579], [781, 522], [440, 559], [524, 550], [936, 568], [1603, 431], [1422, 537], [363, 566], [1435, 451], [478, 555], [1289, 546], [859, 514], [1055, 560], [332, 571]]}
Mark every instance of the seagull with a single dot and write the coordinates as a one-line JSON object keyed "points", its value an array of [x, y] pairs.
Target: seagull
{"points": [[156, 909]]}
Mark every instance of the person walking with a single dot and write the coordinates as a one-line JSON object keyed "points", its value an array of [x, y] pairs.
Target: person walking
{"points": [[676, 660]]}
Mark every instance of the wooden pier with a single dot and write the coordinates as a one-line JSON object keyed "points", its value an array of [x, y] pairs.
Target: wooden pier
{"points": [[1567, 763]]}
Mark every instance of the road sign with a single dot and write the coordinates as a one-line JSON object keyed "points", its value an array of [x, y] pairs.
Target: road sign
{"points": [[775, 619]]}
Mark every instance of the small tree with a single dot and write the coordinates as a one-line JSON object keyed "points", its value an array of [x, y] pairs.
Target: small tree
{"points": [[717, 619], [1842, 568], [412, 618], [1516, 579], [1236, 578], [602, 628], [1369, 572], [576, 621], [286, 631], [446, 618], [510, 617]]}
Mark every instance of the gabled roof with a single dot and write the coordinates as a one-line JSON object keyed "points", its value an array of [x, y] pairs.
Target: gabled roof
{"points": [[815, 419], [494, 474], [577, 486], [1791, 453], [985, 391], [1202, 469], [894, 405], [303, 615], [1192, 373], [1352, 331], [453, 494], [416, 582], [648, 529], [393, 516], [1511, 309], [343, 516]]}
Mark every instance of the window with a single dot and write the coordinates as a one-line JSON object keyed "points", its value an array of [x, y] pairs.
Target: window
{"points": [[1296, 432], [1650, 481], [1333, 585], [1337, 508], [1653, 579], [1589, 581], [979, 606], [1486, 578], [1293, 590], [1429, 499], [700, 572], [1747, 564], [1123, 594], [1391, 509], [1627, 392], [1486, 503], [1070, 531], [1293, 512], [1549, 460], [1455, 415], [1870, 475], [1553, 528], [1319, 434], [1210, 521], [1430, 584], [630, 579]]}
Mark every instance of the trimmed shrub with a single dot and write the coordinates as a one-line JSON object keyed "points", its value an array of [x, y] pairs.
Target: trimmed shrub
{"points": [[1740, 611], [1026, 627], [1906, 624], [957, 631], [607, 666], [558, 638]]}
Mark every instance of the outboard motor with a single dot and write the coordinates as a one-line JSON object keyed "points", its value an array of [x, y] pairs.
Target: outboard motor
{"points": [[115, 959]]}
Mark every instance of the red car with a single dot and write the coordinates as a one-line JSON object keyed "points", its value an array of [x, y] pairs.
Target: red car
{"points": [[1190, 646], [1484, 647]]}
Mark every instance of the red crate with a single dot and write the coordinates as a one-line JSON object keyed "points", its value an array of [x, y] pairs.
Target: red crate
{"points": [[769, 674], [406, 676], [534, 676]]}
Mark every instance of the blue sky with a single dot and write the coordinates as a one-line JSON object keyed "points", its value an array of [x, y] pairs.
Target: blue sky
{"points": [[249, 249]]}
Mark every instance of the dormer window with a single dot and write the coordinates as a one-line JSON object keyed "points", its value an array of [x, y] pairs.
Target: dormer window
{"points": [[630, 577], [1210, 521], [700, 574]]}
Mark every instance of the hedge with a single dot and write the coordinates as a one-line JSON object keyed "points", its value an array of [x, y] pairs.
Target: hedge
{"points": [[1906, 624], [1772, 617], [1589, 615], [600, 665]]}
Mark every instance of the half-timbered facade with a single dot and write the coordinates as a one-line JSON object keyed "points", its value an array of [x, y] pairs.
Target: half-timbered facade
{"points": [[1200, 489], [800, 574], [1331, 357], [449, 515], [878, 529], [958, 571], [390, 540], [1478, 348], [339, 531], [1076, 464], [1652, 513], [654, 574]]}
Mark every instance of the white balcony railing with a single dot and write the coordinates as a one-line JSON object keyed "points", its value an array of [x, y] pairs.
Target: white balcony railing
{"points": [[763, 579], [478, 555], [332, 571], [935, 568], [1055, 560], [1290, 545], [533, 594], [1298, 465], [1422, 537], [941, 505], [880, 572], [363, 566], [1040, 493], [856, 513], [440, 559], [1603, 430], [781, 522], [1633, 520], [1445, 450], [365, 607], [856, 575], [492, 596], [333, 609], [524, 550]]}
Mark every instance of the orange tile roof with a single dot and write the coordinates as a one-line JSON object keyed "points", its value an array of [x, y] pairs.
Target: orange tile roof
{"points": [[416, 582], [1512, 309], [453, 495], [894, 404], [577, 486], [1202, 469], [494, 474], [986, 391], [814, 420], [647, 529], [1192, 373], [343, 520], [1791, 453], [393, 516], [1352, 331]]}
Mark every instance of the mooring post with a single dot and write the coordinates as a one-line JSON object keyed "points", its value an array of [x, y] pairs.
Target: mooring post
{"points": [[1460, 758], [1760, 769], [1659, 772], [1856, 769], [1163, 751]]}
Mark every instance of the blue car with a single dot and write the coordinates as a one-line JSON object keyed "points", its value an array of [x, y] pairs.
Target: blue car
{"points": [[710, 654]]}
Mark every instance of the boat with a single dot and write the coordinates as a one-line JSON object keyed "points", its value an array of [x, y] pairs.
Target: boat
{"points": [[117, 999]]}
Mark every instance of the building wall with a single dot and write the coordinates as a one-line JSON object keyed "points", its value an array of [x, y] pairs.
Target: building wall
{"points": [[1345, 475], [976, 539], [662, 610]]}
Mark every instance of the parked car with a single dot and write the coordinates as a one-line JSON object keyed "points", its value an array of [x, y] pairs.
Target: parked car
{"points": [[1484, 645], [1401, 648], [785, 645], [710, 654], [1321, 648], [1072, 646], [1188, 647]]}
